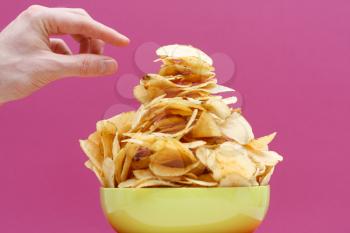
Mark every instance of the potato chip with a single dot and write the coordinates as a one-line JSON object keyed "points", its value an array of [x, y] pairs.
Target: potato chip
{"points": [[141, 159], [119, 163], [193, 69], [218, 107], [107, 142], [108, 169], [202, 183], [155, 183], [236, 180], [178, 51], [106, 127], [130, 152], [143, 174], [262, 143], [237, 128], [97, 172], [93, 152], [194, 144], [205, 127], [265, 178], [123, 121], [130, 183], [230, 100], [115, 145], [95, 138], [268, 158], [220, 89]]}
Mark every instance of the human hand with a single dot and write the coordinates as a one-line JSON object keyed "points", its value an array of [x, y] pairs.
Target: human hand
{"points": [[30, 59]]}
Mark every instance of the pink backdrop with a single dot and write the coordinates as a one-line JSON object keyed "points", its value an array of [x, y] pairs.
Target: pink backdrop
{"points": [[292, 60]]}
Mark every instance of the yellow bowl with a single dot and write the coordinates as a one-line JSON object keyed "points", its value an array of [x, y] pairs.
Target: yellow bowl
{"points": [[185, 210]]}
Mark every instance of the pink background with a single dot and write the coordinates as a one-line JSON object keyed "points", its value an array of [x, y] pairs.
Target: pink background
{"points": [[292, 62]]}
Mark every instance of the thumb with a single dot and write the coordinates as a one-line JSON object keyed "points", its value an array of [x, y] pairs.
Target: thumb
{"points": [[86, 65]]}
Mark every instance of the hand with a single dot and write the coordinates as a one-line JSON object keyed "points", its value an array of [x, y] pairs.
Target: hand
{"points": [[30, 59]]}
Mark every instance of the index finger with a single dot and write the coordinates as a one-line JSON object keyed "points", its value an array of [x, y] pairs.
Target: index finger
{"points": [[61, 22]]}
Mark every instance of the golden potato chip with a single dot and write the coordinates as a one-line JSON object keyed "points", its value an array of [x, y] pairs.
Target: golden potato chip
{"points": [[115, 145], [208, 177], [237, 128], [155, 183], [190, 175], [130, 152], [107, 143], [179, 51], [93, 152], [205, 127], [194, 144], [108, 169], [170, 171], [202, 183], [268, 158], [218, 107], [95, 138], [265, 178], [130, 183], [232, 157], [236, 180], [106, 127], [142, 94], [119, 162], [123, 121], [143, 174], [220, 89], [202, 153], [262, 143], [230, 100], [97, 172], [141, 159]]}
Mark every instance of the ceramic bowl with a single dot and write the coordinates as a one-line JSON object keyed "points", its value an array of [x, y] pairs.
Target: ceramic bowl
{"points": [[185, 210]]}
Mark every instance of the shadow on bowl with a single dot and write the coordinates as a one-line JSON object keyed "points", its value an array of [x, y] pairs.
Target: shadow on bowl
{"points": [[185, 210]]}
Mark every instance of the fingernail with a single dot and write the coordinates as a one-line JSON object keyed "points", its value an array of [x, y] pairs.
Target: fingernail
{"points": [[126, 39], [109, 66]]}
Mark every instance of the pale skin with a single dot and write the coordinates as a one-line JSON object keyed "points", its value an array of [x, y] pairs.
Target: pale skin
{"points": [[30, 58]]}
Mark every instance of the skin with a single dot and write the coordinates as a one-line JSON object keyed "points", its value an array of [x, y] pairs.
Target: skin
{"points": [[30, 58]]}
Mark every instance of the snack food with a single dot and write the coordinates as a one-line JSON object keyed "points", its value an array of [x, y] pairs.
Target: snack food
{"points": [[182, 135]]}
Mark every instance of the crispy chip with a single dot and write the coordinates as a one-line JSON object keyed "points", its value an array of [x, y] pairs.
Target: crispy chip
{"points": [[237, 128], [130, 183], [262, 143], [179, 51], [119, 162], [202, 183], [205, 127], [155, 183], [97, 172], [194, 144], [265, 178], [236, 180], [107, 142], [218, 107], [115, 145], [108, 169], [93, 152], [143, 174]]}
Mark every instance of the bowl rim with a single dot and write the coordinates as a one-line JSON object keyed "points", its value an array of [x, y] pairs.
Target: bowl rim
{"points": [[189, 188]]}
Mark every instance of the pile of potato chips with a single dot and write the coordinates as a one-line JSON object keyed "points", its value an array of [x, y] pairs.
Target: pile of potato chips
{"points": [[182, 135]]}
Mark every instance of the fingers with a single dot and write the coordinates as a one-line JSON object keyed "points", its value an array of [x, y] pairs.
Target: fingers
{"points": [[60, 21], [88, 45], [59, 46], [84, 65]]}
